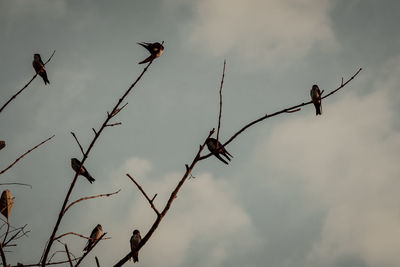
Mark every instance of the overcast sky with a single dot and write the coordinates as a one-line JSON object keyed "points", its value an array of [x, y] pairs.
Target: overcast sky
{"points": [[301, 190]]}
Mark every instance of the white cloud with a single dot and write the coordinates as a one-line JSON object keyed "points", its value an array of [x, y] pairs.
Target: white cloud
{"points": [[205, 216], [348, 160], [261, 31]]}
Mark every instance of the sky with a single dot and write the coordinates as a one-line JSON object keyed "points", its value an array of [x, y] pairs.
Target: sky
{"points": [[301, 190]]}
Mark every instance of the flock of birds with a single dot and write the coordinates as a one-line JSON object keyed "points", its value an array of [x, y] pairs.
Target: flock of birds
{"points": [[213, 145]]}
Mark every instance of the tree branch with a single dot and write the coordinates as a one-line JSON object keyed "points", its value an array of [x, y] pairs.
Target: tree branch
{"points": [[69, 257], [26, 85], [97, 261], [167, 205], [28, 185], [145, 195], [89, 249], [79, 144], [3, 256], [220, 103], [91, 197], [86, 154], [286, 110], [23, 155]]}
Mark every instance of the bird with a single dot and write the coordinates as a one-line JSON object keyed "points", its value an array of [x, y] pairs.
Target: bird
{"points": [[39, 68], [316, 99], [94, 236], [2, 144], [155, 49], [135, 240], [212, 146], [75, 163], [6, 203]]}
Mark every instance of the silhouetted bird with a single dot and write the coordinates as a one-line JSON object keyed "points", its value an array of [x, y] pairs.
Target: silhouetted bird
{"points": [[2, 144], [39, 68], [135, 240], [212, 146], [94, 236], [316, 99], [155, 49], [6, 203], [75, 163]]}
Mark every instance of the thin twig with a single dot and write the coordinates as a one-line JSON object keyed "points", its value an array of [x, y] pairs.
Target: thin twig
{"points": [[113, 124], [145, 195], [3, 256], [97, 134], [28, 185], [71, 233], [118, 110], [91, 197], [23, 155], [79, 144], [69, 257], [167, 205], [286, 110], [89, 249], [26, 85], [220, 103], [97, 261]]}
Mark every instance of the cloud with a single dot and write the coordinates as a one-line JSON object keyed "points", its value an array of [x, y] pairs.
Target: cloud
{"points": [[271, 31], [205, 221], [348, 161]]}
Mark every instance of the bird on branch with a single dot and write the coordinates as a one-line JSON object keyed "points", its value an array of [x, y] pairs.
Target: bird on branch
{"points": [[218, 150], [316, 99], [75, 163], [135, 240], [155, 49], [38, 65], [94, 236]]}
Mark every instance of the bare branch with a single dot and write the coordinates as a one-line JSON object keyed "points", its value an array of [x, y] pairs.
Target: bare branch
{"points": [[94, 131], [71, 233], [145, 195], [113, 124], [286, 110], [91, 197], [97, 261], [28, 185], [86, 154], [118, 110], [69, 257], [89, 249], [23, 155], [26, 85], [167, 205], [3, 256], [79, 144], [220, 103]]}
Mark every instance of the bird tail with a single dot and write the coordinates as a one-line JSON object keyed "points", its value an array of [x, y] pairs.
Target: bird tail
{"points": [[90, 178], [135, 257], [318, 109], [220, 158], [43, 74]]}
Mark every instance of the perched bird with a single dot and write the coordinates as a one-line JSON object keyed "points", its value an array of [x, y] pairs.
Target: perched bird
{"points": [[94, 236], [39, 68], [212, 146], [75, 163], [155, 49], [2, 144], [135, 240], [316, 99], [6, 203]]}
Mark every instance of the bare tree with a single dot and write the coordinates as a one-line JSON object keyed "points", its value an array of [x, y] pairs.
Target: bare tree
{"points": [[13, 233]]}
